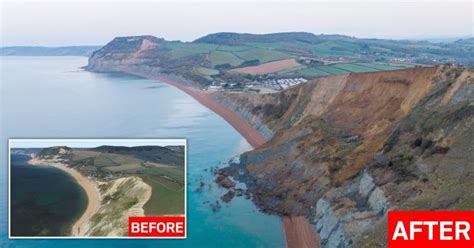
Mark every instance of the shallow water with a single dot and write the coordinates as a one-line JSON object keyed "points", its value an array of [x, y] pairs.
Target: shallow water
{"points": [[45, 194], [47, 97]]}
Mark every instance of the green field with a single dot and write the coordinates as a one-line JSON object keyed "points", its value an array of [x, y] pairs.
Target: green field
{"points": [[381, 66], [354, 68], [338, 69], [221, 54], [232, 48], [163, 170], [308, 72], [205, 72], [332, 48], [181, 50], [331, 70], [263, 55], [222, 57], [167, 196], [267, 52], [175, 173]]}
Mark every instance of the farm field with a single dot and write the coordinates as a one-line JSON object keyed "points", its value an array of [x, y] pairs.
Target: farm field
{"points": [[224, 57], [163, 170], [261, 54], [337, 69], [167, 196], [205, 72], [233, 61], [222, 54], [270, 67]]}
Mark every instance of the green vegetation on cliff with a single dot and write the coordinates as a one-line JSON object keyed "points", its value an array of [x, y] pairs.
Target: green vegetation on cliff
{"points": [[209, 59], [121, 170]]}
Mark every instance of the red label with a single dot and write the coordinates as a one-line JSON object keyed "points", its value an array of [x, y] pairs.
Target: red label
{"points": [[166, 226], [431, 229]]}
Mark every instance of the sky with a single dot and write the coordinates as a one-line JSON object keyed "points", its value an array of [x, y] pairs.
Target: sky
{"points": [[77, 143], [90, 23]]}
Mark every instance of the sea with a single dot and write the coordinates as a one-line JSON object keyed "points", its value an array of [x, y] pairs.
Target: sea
{"points": [[45, 194], [52, 97]]}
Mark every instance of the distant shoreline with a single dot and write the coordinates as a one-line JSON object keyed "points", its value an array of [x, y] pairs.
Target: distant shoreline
{"points": [[92, 192], [253, 137], [297, 229]]}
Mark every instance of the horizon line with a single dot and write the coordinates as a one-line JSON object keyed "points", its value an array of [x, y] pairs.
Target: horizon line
{"points": [[420, 38]]}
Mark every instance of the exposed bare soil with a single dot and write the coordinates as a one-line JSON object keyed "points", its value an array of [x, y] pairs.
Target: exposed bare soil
{"points": [[270, 67]]}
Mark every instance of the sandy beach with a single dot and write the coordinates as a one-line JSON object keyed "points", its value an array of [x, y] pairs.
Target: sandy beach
{"points": [[81, 225], [253, 137], [298, 231]]}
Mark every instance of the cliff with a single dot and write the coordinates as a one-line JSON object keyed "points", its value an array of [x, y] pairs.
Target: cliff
{"points": [[121, 198], [343, 149], [122, 52], [119, 182], [228, 58], [347, 148]]}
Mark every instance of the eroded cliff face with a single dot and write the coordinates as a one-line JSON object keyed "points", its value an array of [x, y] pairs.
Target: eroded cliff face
{"points": [[346, 149], [121, 198], [146, 56], [125, 52]]}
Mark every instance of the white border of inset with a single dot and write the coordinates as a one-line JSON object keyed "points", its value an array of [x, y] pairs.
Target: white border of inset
{"points": [[101, 139]]}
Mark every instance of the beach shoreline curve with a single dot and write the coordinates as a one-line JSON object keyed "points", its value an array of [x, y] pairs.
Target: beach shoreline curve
{"points": [[297, 230], [79, 227]]}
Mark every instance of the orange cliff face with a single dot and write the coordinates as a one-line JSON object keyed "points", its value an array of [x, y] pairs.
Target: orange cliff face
{"points": [[347, 148], [370, 106], [125, 52]]}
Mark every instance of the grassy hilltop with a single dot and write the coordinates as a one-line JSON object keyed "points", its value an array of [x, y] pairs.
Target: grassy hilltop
{"points": [[240, 59], [162, 168]]}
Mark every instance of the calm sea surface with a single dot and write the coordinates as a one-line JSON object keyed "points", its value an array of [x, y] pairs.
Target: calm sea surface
{"points": [[50, 97], [45, 194]]}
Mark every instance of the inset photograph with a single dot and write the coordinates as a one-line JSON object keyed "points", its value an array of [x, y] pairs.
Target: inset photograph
{"points": [[89, 188]]}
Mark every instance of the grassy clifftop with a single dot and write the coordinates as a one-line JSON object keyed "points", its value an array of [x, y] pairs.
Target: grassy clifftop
{"points": [[215, 57], [120, 170]]}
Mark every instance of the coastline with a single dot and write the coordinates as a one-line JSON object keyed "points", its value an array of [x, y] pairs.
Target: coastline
{"points": [[297, 230], [253, 137], [93, 196]]}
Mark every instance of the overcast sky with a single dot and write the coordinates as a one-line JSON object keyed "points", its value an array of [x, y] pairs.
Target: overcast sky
{"points": [[88, 23]]}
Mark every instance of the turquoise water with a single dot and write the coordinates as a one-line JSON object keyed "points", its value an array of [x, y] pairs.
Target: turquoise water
{"points": [[49, 97]]}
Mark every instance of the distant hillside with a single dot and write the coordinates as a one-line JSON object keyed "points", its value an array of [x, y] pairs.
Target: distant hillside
{"points": [[48, 51], [115, 161], [156, 154], [467, 41], [341, 45], [214, 58], [226, 38]]}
